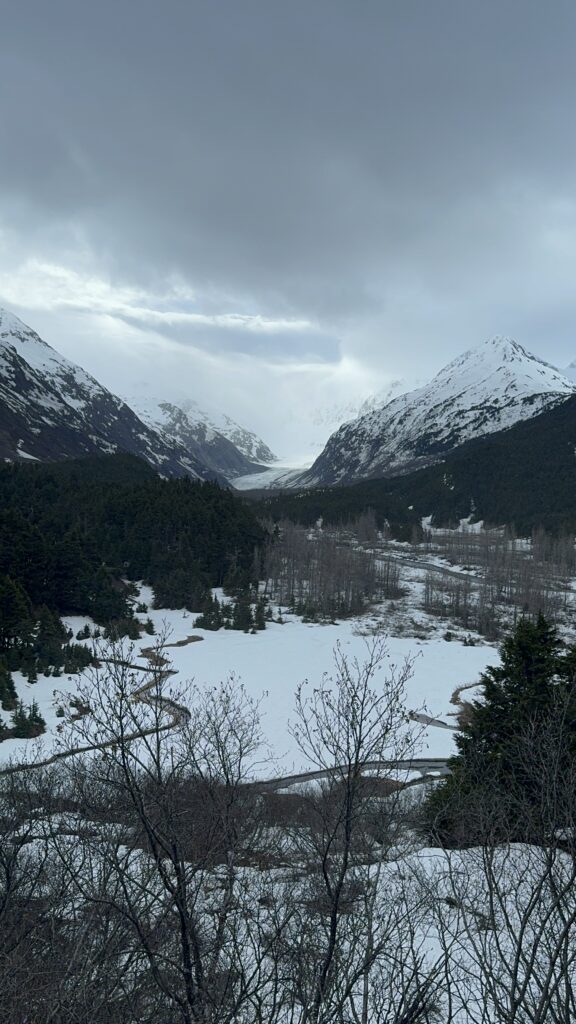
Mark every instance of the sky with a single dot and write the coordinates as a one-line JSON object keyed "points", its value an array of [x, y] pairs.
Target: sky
{"points": [[280, 207]]}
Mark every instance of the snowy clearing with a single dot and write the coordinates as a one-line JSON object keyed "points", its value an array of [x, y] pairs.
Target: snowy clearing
{"points": [[270, 665]]}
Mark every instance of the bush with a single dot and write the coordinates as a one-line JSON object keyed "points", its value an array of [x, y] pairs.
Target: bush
{"points": [[27, 721]]}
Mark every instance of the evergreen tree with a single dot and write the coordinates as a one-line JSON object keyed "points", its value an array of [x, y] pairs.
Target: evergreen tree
{"points": [[19, 720], [36, 723], [211, 617], [491, 789], [260, 613], [27, 722], [118, 628], [51, 635], [8, 697], [242, 617], [237, 580], [15, 614], [181, 588], [106, 600], [76, 657]]}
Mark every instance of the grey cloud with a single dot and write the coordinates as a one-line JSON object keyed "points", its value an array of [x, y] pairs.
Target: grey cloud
{"points": [[384, 168], [273, 345]]}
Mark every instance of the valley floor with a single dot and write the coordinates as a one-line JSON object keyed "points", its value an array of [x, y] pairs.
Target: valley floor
{"points": [[270, 665], [452, 919]]}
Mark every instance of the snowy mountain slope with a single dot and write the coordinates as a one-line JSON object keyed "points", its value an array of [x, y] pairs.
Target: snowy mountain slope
{"points": [[249, 444], [51, 409], [485, 390], [195, 431]]}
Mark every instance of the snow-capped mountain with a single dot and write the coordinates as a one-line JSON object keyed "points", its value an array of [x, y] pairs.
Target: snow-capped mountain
{"points": [[194, 430], [51, 409], [486, 389], [248, 443]]}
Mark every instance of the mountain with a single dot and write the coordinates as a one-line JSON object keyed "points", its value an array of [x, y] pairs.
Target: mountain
{"points": [[51, 409], [386, 395], [487, 389], [195, 431], [249, 444], [522, 476]]}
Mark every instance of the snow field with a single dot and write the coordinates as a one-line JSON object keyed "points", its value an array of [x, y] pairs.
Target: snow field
{"points": [[270, 665]]}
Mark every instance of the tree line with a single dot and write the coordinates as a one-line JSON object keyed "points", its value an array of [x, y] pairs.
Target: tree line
{"points": [[72, 538], [77, 529], [73, 535]]}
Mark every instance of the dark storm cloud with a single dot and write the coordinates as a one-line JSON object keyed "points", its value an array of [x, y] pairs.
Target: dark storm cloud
{"points": [[389, 171]]}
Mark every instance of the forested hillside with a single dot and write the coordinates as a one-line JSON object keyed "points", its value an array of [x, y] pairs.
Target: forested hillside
{"points": [[72, 534]]}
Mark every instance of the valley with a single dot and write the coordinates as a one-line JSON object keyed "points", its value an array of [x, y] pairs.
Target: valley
{"points": [[287, 746], [212, 778], [451, 598], [287, 512]]}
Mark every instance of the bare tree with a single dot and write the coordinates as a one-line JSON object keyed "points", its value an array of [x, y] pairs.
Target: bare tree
{"points": [[348, 920], [320, 573], [169, 775], [506, 911]]}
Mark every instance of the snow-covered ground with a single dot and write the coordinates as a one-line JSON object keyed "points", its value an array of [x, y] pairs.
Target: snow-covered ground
{"points": [[271, 664]]}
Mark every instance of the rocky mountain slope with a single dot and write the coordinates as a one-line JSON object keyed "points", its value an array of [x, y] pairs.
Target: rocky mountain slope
{"points": [[487, 389], [195, 431], [248, 444], [51, 409]]}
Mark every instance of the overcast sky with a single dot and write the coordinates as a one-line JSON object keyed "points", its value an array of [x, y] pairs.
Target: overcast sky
{"points": [[279, 206]]}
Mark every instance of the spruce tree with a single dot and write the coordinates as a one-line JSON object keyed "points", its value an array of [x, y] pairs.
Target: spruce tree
{"points": [[211, 617], [27, 722], [260, 613], [8, 696], [242, 617], [490, 790], [15, 612]]}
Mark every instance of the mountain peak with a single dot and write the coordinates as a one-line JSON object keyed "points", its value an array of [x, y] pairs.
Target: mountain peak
{"points": [[507, 348], [485, 389], [500, 364], [494, 352], [500, 341], [50, 408], [10, 323], [184, 417], [570, 370]]}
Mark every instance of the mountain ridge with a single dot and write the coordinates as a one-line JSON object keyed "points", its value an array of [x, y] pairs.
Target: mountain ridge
{"points": [[197, 433], [52, 409], [484, 390]]}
